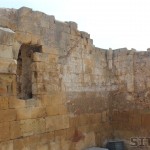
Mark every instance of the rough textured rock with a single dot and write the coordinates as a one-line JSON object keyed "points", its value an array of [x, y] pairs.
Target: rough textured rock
{"points": [[58, 91]]}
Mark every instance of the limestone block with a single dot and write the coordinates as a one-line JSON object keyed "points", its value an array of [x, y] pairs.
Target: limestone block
{"points": [[39, 18], [53, 58], [37, 77], [73, 28], [32, 126], [8, 18], [15, 130], [57, 98], [6, 51], [90, 42], [33, 102], [8, 145], [59, 25], [95, 118], [57, 122], [52, 87], [38, 88], [8, 66], [46, 137], [15, 49], [43, 147], [30, 112], [53, 49], [83, 120], [55, 145], [56, 110], [66, 28], [40, 57], [16, 103], [10, 115], [65, 145], [23, 37], [3, 102], [47, 36], [35, 39], [6, 82], [46, 100], [38, 66], [85, 35], [52, 110], [30, 142], [24, 11], [62, 109], [42, 19], [42, 77], [25, 25], [4, 131], [6, 36], [20, 144]]}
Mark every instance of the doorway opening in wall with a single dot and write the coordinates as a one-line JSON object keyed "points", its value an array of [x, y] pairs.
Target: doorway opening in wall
{"points": [[24, 70]]}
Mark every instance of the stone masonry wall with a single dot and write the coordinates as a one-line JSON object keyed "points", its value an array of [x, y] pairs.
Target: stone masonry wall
{"points": [[67, 108], [129, 103], [59, 92]]}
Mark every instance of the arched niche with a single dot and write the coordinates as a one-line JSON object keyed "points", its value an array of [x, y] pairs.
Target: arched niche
{"points": [[24, 70]]}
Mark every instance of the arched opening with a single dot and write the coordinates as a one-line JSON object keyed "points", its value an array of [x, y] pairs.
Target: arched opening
{"points": [[24, 70]]}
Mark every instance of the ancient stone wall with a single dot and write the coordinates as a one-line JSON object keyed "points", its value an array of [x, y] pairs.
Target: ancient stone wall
{"points": [[58, 91], [129, 103], [52, 84]]}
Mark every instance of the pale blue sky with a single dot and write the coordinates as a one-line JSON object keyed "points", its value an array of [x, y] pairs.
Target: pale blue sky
{"points": [[111, 23]]}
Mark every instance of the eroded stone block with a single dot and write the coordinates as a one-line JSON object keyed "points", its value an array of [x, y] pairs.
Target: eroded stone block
{"points": [[6, 36], [8, 66], [4, 131], [57, 122], [32, 126], [7, 115]]}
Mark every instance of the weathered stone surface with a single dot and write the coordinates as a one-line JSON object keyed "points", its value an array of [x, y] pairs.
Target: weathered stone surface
{"points": [[8, 18], [15, 130], [57, 122], [15, 49], [8, 66], [6, 36], [6, 145], [30, 112], [7, 115], [3, 102], [4, 131], [16, 103], [32, 126], [58, 91], [6, 51], [56, 110]]}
